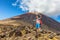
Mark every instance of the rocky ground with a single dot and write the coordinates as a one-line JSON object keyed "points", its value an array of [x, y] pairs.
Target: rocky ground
{"points": [[26, 33]]}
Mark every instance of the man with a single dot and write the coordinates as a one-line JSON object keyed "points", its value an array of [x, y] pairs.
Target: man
{"points": [[38, 23]]}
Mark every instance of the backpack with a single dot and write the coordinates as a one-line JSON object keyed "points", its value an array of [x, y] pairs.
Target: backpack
{"points": [[40, 21]]}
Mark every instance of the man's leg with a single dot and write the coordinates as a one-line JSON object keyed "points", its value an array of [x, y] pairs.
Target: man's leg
{"points": [[39, 27], [36, 30], [37, 33]]}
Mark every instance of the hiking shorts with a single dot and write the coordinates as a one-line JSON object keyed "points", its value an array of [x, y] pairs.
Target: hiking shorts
{"points": [[38, 25]]}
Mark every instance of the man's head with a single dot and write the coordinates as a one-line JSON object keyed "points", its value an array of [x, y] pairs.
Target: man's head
{"points": [[36, 16]]}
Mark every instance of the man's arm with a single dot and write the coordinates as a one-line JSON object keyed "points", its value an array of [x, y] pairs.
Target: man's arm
{"points": [[40, 16]]}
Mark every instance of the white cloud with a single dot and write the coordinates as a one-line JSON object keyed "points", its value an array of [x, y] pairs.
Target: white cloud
{"points": [[14, 4], [48, 7]]}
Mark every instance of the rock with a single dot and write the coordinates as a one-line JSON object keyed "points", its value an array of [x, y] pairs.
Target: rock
{"points": [[51, 35], [2, 36], [43, 32], [27, 31], [58, 34], [18, 33], [49, 32], [11, 33]]}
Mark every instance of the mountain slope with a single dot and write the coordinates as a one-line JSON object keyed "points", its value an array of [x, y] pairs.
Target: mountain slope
{"points": [[28, 19]]}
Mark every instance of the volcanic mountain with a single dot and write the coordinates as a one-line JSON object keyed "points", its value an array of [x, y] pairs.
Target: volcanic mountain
{"points": [[27, 19]]}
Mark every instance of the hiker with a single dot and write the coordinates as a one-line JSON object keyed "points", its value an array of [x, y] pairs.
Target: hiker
{"points": [[38, 22]]}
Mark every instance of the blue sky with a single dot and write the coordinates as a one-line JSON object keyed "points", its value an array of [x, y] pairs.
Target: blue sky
{"points": [[8, 11]]}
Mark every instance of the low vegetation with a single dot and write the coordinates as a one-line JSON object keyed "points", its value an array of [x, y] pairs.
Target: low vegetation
{"points": [[10, 32]]}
